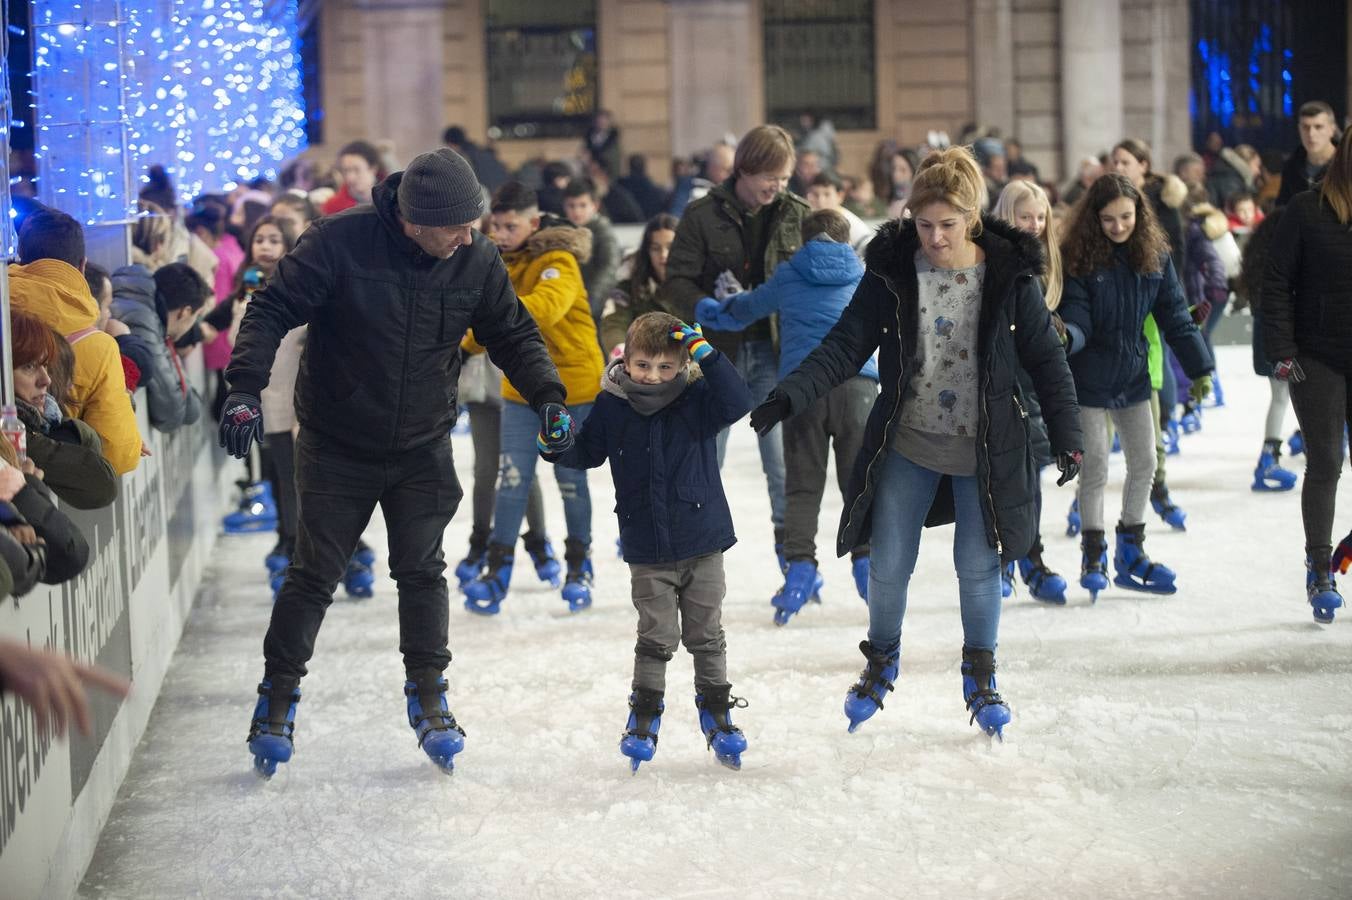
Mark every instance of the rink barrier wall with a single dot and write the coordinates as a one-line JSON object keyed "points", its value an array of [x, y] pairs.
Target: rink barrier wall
{"points": [[125, 612]]}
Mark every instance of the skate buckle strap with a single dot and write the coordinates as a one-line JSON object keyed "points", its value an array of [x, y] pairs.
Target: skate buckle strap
{"points": [[642, 733], [981, 699], [446, 722], [867, 687]]}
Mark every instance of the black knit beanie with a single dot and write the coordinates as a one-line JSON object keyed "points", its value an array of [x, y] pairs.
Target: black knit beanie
{"points": [[440, 188]]}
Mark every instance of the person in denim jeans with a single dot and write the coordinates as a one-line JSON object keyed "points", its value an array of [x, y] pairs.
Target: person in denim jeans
{"points": [[952, 303]]}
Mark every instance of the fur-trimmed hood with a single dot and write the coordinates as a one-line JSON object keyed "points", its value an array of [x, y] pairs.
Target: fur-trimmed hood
{"points": [[1239, 164], [1172, 191], [560, 234], [1007, 248], [1212, 220]]}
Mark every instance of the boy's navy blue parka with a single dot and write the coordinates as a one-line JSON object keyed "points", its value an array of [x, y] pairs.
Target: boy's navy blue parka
{"points": [[668, 495]]}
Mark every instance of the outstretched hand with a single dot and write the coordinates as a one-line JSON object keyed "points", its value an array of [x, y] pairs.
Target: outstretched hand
{"points": [[774, 410]]}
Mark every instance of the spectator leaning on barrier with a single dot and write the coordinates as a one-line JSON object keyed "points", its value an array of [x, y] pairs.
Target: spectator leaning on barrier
{"points": [[50, 285], [55, 549], [136, 353], [66, 450]]}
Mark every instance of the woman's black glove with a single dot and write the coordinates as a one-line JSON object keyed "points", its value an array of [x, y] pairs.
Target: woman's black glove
{"points": [[774, 410], [1068, 461]]}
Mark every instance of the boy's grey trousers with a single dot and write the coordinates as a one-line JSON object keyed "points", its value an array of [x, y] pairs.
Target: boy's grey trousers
{"points": [[680, 603]]}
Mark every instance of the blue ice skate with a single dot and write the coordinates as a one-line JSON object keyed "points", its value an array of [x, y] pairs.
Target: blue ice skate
{"points": [[1296, 443], [1164, 507], [801, 584], [1191, 420], [277, 559], [1007, 581], [1170, 438], [358, 580], [1134, 569], [439, 736], [1269, 475], [1322, 590], [579, 576], [364, 554], [257, 511], [1217, 394], [1093, 563], [989, 711], [860, 569], [639, 742], [1043, 583], [276, 582], [715, 719], [469, 568], [484, 594], [879, 677], [272, 731], [1073, 518], [542, 556]]}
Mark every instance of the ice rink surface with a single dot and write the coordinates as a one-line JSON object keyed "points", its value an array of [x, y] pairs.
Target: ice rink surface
{"points": [[1191, 746]]}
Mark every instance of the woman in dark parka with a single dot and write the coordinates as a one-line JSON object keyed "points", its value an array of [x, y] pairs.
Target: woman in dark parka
{"points": [[951, 302]]}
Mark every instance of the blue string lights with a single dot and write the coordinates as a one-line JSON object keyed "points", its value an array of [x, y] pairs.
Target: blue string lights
{"points": [[209, 89]]}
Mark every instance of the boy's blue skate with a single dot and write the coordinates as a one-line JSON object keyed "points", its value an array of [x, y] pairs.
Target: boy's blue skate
{"points": [[359, 581], [277, 559], [542, 556], [1043, 583], [1073, 518], [1134, 569], [469, 568], [273, 728], [1217, 394], [1172, 515], [440, 737], [1269, 475], [1322, 591], [990, 713], [1093, 563], [639, 742], [1006, 581], [715, 720], [484, 594], [801, 584], [1296, 443], [1170, 438], [879, 677], [257, 510], [577, 583], [364, 554], [1191, 420], [860, 570]]}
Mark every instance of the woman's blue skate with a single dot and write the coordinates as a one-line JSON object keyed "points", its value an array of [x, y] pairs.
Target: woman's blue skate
{"points": [[989, 711], [272, 731], [879, 676], [1093, 563], [1073, 518], [1135, 571], [715, 720], [440, 737], [1043, 583], [1322, 591], [802, 582], [639, 742]]}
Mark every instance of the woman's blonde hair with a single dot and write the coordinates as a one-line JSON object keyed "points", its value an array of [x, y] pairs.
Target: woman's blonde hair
{"points": [[950, 176], [1020, 191], [1336, 190]]}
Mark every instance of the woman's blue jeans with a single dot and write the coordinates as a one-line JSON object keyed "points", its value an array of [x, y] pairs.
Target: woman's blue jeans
{"points": [[520, 425], [901, 502]]}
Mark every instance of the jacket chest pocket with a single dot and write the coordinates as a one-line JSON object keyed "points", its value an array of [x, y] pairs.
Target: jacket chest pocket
{"points": [[693, 494]]}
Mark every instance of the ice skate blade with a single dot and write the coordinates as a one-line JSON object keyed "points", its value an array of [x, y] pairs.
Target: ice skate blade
{"points": [[782, 617], [1126, 583], [1326, 619], [486, 608], [264, 767], [1051, 601], [250, 528], [1262, 487], [732, 761]]}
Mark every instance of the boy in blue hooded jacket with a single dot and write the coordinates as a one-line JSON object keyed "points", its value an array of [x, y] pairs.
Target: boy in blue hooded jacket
{"points": [[657, 420], [809, 293]]}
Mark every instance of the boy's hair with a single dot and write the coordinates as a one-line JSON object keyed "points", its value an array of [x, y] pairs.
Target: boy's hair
{"points": [[1312, 108], [1239, 197], [827, 179], [1086, 248], [366, 151], [96, 276], [650, 334], [950, 176], [828, 222], [51, 234], [765, 148], [300, 204], [179, 285], [582, 186], [513, 196]]}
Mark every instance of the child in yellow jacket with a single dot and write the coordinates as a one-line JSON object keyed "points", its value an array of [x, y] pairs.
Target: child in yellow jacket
{"points": [[543, 258]]}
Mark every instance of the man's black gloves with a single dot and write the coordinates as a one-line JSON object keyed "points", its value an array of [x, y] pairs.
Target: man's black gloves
{"points": [[774, 410], [241, 423], [1068, 461], [556, 429]]}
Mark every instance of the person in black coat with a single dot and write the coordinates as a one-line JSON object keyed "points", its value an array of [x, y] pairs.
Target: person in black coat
{"points": [[951, 302], [1305, 168], [1307, 336], [388, 291]]}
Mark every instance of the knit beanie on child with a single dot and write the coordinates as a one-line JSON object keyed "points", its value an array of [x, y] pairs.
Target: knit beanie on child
{"points": [[440, 188]]}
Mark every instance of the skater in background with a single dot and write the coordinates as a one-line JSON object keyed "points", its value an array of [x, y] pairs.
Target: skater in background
{"points": [[657, 421], [1307, 336], [1119, 272], [809, 293], [1024, 205], [951, 302], [388, 292], [637, 294], [543, 256]]}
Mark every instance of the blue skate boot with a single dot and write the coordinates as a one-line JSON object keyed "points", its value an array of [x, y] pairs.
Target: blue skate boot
{"points": [[359, 581], [277, 559], [1321, 587], [1073, 518], [364, 554], [257, 510], [577, 582], [542, 557], [801, 584], [1043, 583], [715, 720], [439, 736], [860, 569], [990, 713], [1093, 563], [878, 677], [1172, 515], [1191, 420], [639, 742], [469, 568], [1134, 569], [1006, 581], [1269, 475], [272, 731], [1217, 395], [484, 594], [1296, 443], [1170, 438]]}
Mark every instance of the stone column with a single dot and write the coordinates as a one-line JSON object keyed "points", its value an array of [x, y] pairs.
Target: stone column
{"points": [[993, 63], [716, 71], [403, 75], [1091, 78]]}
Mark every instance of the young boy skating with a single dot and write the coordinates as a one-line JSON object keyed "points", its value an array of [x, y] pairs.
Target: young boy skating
{"points": [[657, 420]]}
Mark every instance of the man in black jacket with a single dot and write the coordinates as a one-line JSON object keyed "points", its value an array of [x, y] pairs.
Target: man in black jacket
{"points": [[1318, 139], [387, 290]]}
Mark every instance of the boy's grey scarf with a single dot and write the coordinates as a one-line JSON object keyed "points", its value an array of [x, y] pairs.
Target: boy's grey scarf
{"points": [[646, 399]]}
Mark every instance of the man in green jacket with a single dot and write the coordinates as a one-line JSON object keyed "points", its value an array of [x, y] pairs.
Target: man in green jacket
{"points": [[731, 240]]}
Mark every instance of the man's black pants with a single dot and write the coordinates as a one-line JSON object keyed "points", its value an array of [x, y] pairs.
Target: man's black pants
{"points": [[418, 493]]}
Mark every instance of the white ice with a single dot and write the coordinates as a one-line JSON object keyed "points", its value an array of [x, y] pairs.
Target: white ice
{"points": [[1190, 746]]}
